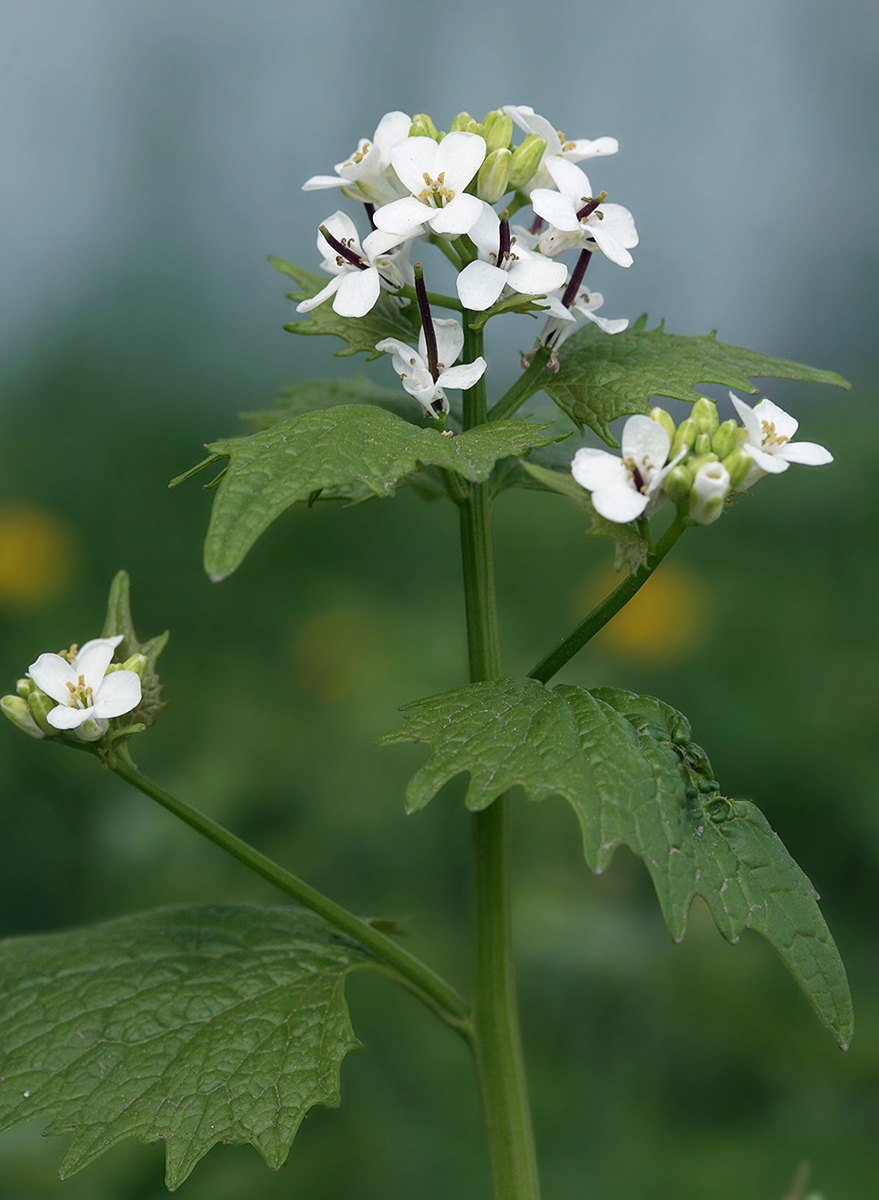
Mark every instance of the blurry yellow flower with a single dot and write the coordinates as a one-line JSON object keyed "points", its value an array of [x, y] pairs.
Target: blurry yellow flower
{"points": [[668, 618], [36, 555]]}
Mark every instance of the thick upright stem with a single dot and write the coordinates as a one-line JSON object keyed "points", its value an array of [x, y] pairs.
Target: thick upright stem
{"points": [[497, 1041]]}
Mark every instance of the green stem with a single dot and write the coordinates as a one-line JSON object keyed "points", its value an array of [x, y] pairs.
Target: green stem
{"points": [[497, 1042], [414, 975], [445, 247], [435, 298], [523, 389], [608, 607]]}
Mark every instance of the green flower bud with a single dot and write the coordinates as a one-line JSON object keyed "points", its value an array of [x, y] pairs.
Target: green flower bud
{"points": [[24, 687], [422, 126], [461, 123], [497, 129], [678, 484], [16, 709], [699, 461], [664, 419], [40, 705], [724, 440], [526, 160], [710, 489], [493, 178], [684, 438], [738, 464], [705, 414], [702, 444], [137, 663]]}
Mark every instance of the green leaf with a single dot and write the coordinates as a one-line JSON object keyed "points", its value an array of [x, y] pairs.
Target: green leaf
{"points": [[193, 1025], [118, 620], [328, 393], [628, 767], [359, 446], [601, 378], [630, 548], [385, 320]]}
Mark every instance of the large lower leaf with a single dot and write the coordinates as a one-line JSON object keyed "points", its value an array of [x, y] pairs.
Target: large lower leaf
{"points": [[386, 319], [628, 767], [601, 378], [215, 1023], [347, 446]]}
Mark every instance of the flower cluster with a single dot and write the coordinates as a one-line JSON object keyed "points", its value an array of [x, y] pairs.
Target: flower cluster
{"points": [[78, 690], [698, 464], [418, 183]]}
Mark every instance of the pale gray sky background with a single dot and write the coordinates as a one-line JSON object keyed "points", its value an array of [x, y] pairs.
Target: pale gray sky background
{"points": [[153, 152]]}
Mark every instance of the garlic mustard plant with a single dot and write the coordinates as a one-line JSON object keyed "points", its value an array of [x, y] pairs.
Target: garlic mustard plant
{"points": [[186, 1069]]}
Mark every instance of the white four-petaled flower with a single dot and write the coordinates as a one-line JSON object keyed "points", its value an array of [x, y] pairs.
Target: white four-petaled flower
{"points": [[770, 430], [86, 695], [482, 281], [355, 288], [435, 174], [610, 226], [557, 145], [622, 488], [368, 175], [414, 370]]}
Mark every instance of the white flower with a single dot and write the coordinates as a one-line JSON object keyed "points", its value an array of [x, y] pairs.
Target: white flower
{"points": [[482, 281], [557, 145], [710, 488], [86, 695], [610, 226], [622, 488], [436, 174], [356, 285], [414, 370], [770, 430], [368, 175]]}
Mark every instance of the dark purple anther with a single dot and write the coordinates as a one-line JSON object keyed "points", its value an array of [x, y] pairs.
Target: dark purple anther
{"points": [[345, 251], [426, 323]]}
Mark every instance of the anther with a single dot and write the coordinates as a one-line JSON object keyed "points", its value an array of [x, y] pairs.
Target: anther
{"points": [[590, 206]]}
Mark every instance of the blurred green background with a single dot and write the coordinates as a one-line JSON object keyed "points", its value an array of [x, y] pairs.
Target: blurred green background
{"points": [[154, 155]]}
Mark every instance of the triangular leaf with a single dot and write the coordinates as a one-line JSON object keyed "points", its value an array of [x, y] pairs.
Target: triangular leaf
{"points": [[347, 446], [194, 1025], [118, 620], [386, 319], [629, 769], [601, 377]]}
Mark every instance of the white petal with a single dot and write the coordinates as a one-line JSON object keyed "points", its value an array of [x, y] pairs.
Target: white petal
{"points": [[559, 210], [749, 419], [358, 292], [119, 693], [620, 504], [619, 223], [64, 717], [93, 660], [772, 464], [392, 128], [318, 182], [485, 233], [570, 180], [584, 148], [646, 442], [536, 275], [403, 216], [606, 324], [397, 348], [785, 424], [808, 453], [598, 469], [479, 285], [609, 245], [459, 215], [412, 160], [52, 673], [464, 375], [449, 340], [379, 242], [459, 157], [324, 294]]}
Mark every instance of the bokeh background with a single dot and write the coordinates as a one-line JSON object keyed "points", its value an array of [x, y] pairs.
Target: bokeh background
{"points": [[152, 157]]}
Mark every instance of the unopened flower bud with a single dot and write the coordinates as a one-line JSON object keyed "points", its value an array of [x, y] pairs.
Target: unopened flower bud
{"points": [[493, 179], [702, 444], [24, 687], [16, 709], [710, 488], [40, 705], [678, 484], [724, 440], [684, 438], [664, 419], [461, 123], [738, 464], [137, 663], [526, 160], [497, 129], [705, 414], [422, 126]]}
